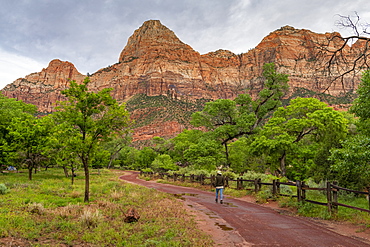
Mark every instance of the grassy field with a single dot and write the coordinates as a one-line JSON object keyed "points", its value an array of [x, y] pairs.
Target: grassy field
{"points": [[49, 211]]}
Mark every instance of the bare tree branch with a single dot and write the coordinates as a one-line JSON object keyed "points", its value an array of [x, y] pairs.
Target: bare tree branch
{"points": [[342, 59]]}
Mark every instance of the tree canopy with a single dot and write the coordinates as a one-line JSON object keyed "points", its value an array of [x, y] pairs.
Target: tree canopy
{"points": [[92, 119]]}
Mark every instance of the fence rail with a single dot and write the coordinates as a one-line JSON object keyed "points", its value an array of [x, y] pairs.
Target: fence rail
{"points": [[331, 189]]}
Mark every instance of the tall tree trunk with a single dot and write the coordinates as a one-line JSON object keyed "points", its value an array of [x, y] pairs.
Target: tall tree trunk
{"points": [[87, 181]]}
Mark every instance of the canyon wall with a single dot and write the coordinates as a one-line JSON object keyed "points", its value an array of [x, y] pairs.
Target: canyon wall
{"points": [[155, 62]]}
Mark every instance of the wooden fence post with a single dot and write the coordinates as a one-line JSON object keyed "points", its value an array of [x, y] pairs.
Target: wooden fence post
{"points": [[303, 193], [368, 196], [299, 190], [183, 177], [335, 197], [191, 178], [274, 189], [257, 185], [278, 187], [328, 196]]}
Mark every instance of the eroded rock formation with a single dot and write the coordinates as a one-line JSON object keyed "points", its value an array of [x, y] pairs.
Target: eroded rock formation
{"points": [[155, 62]]}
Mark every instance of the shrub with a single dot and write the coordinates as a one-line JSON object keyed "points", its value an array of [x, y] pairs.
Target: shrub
{"points": [[3, 189], [116, 195], [264, 195], [36, 208], [71, 210], [286, 189], [90, 218], [147, 170]]}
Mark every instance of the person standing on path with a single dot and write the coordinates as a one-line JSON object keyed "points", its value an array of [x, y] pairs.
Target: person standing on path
{"points": [[219, 184]]}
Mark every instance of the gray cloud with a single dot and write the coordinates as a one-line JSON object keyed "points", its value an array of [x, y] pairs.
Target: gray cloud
{"points": [[91, 34]]}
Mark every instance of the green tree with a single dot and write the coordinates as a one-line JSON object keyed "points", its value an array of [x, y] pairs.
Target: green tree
{"points": [[164, 162], [62, 150], [243, 158], [116, 145], [361, 104], [129, 157], [11, 110], [294, 131], [182, 142], [146, 157], [351, 162], [95, 117], [30, 137], [230, 119], [205, 155]]}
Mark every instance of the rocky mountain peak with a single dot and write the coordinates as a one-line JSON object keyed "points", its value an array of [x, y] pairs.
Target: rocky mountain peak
{"points": [[156, 63], [151, 39]]}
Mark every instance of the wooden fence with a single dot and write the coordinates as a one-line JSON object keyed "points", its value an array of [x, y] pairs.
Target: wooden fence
{"points": [[331, 190]]}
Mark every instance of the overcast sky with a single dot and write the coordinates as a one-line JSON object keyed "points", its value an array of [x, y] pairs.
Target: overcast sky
{"points": [[92, 33]]}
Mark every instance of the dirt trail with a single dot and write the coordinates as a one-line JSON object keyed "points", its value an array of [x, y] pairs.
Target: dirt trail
{"points": [[241, 223]]}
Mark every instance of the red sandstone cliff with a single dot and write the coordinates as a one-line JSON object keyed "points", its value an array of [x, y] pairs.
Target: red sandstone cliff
{"points": [[155, 62]]}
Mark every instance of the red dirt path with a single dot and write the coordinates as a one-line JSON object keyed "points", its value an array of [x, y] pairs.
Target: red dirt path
{"points": [[239, 222]]}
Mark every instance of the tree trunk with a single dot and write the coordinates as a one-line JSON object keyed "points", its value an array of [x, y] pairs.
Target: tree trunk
{"points": [[87, 181], [65, 171], [110, 162], [282, 164], [227, 155], [30, 168]]}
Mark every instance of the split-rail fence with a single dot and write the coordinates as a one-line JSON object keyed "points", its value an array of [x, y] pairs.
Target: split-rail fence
{"points": [[331, 190]]}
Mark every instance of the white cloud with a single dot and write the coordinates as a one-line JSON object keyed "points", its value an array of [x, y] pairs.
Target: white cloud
{"points": [[13, 66]]}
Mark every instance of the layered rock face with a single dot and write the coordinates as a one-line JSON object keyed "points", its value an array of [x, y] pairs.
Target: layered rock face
{"points": [[43, 89], [155, 62]]}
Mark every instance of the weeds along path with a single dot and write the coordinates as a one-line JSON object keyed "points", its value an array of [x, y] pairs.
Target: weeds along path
{"points": [[241, 223]]}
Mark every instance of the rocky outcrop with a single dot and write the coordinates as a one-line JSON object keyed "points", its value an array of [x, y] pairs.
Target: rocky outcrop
{"points": [[155, 62], [43, 89]]}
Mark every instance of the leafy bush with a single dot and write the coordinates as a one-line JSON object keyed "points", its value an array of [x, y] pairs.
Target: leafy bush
{"points": [[286, 189], [263, 195], [230, 174], [251, 175], [3, 189], [201, 172], [147, 170]]}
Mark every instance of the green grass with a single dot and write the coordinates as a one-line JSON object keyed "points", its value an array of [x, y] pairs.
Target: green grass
{"points": [[49, 211]]}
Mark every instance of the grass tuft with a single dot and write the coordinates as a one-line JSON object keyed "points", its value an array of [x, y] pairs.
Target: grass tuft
{"points": [[90, 218]]}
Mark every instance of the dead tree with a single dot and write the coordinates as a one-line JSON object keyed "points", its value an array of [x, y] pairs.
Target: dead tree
{"points": [[344, 58]]}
